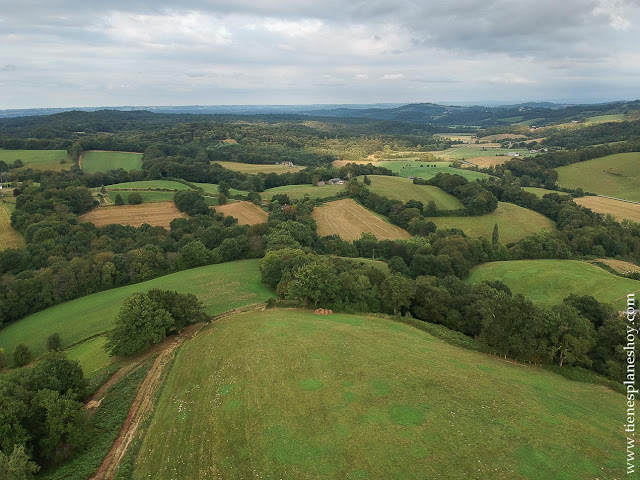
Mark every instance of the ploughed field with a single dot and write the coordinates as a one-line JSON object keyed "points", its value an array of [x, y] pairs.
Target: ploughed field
{"points": [[247, 213], [156, 214]]}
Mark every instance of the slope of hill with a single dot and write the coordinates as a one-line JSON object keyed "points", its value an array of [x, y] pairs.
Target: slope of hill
{"points": [[403, 189]]}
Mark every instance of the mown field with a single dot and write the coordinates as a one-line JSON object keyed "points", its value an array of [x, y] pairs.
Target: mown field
{"points": [[9, 238], [403, 189], [247, 213], [91, 355], [296, 192], [156, 214], [37, 159], [619, 265], [288, 394], [619, 209], [350, 220], [221, 287], [514, 223], [614, 175], [94, 161], [428, 170], [255, 168], [548, 282]]}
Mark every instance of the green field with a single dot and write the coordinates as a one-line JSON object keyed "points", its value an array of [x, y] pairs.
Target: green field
{"points": [[403, 189], [548, 282], [98, 161], [91, 356], [540, 192], [296, 192], [212, 189], [37, 159], [615, 117], [253, 169], [147, 196], [422, 170], [285, 394], [149, 185], [614, 175], [221, 287], [514, 223], [471, 152]]}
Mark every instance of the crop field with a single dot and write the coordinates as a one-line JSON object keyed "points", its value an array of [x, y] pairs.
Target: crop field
{"points": [[220, 287], [428, 170], [514, 223], [9, 238], [148, 185], [540, 192], [294, 395], [296, 192], [350, 220], [93, 161], [158, 214], [247, 213], [619, 209], [488, 161], [548, 282], [403, 189], [37, 159], [614, 175], [255, 168]]}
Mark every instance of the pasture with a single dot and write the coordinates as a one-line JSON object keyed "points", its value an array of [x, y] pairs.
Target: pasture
{"points": [[220, 287], [212, 189], [94, 161], [292, 395], [157, 214], [619, 209], [247, 213], [148, 185], [296, 192], [91, 355], [258, 168], [480, 150], [148, 196], [350, 220], [514, 223], [614, 175], [548, 282], [403, 189], [9, 238], [429, 170], [615, 117], [37, 159]]}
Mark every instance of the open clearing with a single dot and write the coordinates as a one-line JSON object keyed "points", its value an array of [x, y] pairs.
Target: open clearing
{"points": [[403, 189], [247, 213], [255, 168], [157, 214], [93, 161], [619, 209], [220, 287], [37, 159], [514, 223], [350, 220], [548, 282], [614, 175], [428, 170], [296, 192], [9, 238], [294, 395]]}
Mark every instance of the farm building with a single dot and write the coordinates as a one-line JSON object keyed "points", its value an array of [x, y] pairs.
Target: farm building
{"points": [[336, 181], [513, 154]]}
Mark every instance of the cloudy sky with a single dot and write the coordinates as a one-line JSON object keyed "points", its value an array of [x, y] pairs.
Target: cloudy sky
{"points": [[62, 53]]}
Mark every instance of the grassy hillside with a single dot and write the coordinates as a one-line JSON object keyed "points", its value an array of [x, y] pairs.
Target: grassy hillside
{"points": [[540, 192], [614, 175], [403, 189], [146, 195], [288, 394], [514, 223], [254, 168], [98, 161], [428, 170], [212, 189], [299, 191], [149, 185], [9, 238], [221, 287], [37, 159], [548, 282]]}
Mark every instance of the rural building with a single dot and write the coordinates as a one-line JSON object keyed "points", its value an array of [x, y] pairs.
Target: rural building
{"points": [[336, 181], [513, 154]]}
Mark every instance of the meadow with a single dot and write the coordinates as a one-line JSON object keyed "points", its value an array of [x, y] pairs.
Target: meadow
{"points": [[37, 159], [156, 214], [350, 220], [258, 168], [9, 238], [548, 282], [614, 175], [514, 223], [289, 394], [619, 209], [296, 192], [403, 189], [247, 213], [93, 161], [428, 170], [220, 287]]}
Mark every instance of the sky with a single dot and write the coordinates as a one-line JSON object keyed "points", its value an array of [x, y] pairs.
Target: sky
{"points": [[236, 52]]}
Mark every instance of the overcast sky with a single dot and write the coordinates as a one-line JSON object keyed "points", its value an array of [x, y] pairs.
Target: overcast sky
{"points": [[153, 52]]}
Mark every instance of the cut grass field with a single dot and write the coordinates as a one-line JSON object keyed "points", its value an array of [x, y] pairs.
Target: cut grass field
{"points": [[156, 214], [247, 213], [514, 223], [350, 220], [94, 161], [37, 159], [548, 282], [220, 287], [488, 161], [296, 192], [422, 170], [619, 209], [403, 189], [91, 356], [292, 395], [9, 238], [254, 168], [614, 175]]}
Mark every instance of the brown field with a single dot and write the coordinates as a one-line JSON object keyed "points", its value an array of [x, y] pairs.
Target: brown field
{"points": [[247, 213], [619, 209], [9, 238], [488, 161], [157, 214], [620, 265], [350, 220]]}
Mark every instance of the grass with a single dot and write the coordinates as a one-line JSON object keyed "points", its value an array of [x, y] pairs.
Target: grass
{"points": [[540, 192], [91, 355], [468, 153], [157, 214], [615, 117], [296, 192], [614, 175], [255, 168], [380, 265], [212, 189], [350, 220], [514, 223], [94, 161], [548, 282], [9, 238], [148, 196], [148, 185], [619, 209], [247, 213], [289, 394], [403, 189], [422, 170], [220, 287], [37, 159]]}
